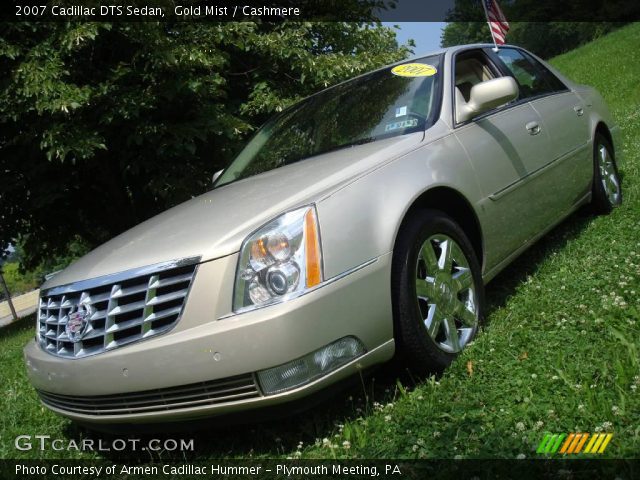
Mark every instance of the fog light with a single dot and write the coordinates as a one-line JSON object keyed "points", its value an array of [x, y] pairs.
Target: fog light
{"points": [[310, 367]]}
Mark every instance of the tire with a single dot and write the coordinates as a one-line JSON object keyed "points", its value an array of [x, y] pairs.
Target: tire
{"points": [[607, 186], [424, 310]]}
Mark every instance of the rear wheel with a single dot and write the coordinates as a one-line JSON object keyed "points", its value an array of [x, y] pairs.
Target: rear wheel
{"points": [[438, 294], [607, 187]]}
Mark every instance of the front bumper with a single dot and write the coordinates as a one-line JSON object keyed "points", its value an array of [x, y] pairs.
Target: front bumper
{"points": [[209, 346]]}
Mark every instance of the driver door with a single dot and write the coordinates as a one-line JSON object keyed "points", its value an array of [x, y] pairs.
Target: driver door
{"points": [[503, 146]]}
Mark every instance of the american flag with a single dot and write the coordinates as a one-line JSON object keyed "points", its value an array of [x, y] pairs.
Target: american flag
{"points": [[497, 21]]}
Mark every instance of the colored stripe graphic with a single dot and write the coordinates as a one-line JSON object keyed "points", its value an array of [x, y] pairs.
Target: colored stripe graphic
{"points": [[550, 443], [581, 442], [567, 444], [606, 442], [574, 443], [590, 444], [599, 443]]}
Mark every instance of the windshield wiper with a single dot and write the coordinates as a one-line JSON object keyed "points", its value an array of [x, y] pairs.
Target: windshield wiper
{"points": [[355, 143]]}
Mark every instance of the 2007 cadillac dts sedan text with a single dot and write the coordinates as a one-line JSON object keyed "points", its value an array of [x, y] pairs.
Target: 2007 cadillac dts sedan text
{"points": [[362, 221]]}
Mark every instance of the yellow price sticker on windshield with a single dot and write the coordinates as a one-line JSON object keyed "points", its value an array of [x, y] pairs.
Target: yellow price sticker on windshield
{"points": [[414, 70]]}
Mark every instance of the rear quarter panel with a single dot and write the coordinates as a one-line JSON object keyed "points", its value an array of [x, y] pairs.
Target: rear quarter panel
{"points": [[597, 111]]}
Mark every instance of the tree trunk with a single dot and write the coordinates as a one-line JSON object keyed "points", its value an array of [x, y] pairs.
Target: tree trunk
{"points": [[8, 295]]}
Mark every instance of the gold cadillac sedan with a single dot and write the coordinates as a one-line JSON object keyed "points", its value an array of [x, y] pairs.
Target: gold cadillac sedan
{"points": [[362, 222]]}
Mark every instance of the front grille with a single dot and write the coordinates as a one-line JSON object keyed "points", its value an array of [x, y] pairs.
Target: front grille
{"points": [[112, 311], [196, 394]]}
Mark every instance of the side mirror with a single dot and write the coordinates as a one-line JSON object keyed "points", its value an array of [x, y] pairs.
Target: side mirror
{"points": [[485, 96], [216, 175]]}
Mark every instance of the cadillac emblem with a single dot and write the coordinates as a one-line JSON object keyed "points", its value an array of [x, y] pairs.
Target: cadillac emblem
{"points": [[77, 323]]}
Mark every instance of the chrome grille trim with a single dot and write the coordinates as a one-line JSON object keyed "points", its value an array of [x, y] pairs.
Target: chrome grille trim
{"points": [[212, 392], [120, 276], [123, 308]]}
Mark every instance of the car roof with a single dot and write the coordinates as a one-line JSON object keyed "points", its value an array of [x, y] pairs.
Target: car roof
{"points": [[450, 50]]}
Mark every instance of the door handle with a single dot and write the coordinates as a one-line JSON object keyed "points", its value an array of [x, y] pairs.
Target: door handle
{"points": [[533, 128], [578, 109]]}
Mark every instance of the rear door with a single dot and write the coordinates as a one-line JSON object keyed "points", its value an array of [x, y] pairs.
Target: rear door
{"points": [[504, 146]]}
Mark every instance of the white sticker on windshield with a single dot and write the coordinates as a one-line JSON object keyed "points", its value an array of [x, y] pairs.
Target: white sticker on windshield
{"points": [[401, 112], [401, 124]]}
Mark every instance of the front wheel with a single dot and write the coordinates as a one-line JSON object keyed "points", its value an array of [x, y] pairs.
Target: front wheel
{"points": [[607, 187], [438, 293]]}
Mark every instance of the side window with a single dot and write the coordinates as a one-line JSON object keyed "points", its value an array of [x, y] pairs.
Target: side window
{"points": [[554, 82], [471, 68], [533, 79]]}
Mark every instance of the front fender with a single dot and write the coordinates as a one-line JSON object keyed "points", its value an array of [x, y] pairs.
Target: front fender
{"points": [[361, 221]]}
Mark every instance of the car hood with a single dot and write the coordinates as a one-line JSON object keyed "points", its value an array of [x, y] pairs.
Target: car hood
{"points": [[216, 223]]}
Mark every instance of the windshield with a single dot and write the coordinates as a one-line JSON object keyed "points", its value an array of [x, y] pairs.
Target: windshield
{"points": [[386, 103]]}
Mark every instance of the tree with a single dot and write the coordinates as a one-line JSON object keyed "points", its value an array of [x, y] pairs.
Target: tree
{"points": [[545, 39], [461, 33], [529, 26], [467, 24], [104, 125]]}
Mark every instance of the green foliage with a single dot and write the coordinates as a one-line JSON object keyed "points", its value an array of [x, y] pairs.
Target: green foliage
{"points": [[10, 256], [548, 39], [462, 33], [18, 283], [104, 125], [545, 39], [21, 280]]}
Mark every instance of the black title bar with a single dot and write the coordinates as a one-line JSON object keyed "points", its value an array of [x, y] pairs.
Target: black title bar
{"points": [[319, 10]]}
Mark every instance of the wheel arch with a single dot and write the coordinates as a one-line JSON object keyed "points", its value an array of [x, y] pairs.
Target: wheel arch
{"points": [[603, 129], [452, 203]]}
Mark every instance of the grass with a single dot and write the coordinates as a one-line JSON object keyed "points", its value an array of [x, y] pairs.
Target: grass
{"points": [[560, 351]]}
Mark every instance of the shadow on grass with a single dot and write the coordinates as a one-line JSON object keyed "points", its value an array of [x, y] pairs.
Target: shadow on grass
{"points": [[14, 328], [253, 438], [505, 284], [250, 435]]}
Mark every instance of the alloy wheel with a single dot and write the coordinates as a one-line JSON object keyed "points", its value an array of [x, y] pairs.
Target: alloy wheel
{"points": [[608, 175], [446, 293]]}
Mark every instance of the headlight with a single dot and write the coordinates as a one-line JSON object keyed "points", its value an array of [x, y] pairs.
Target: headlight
{"points": [[280, 261]]}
